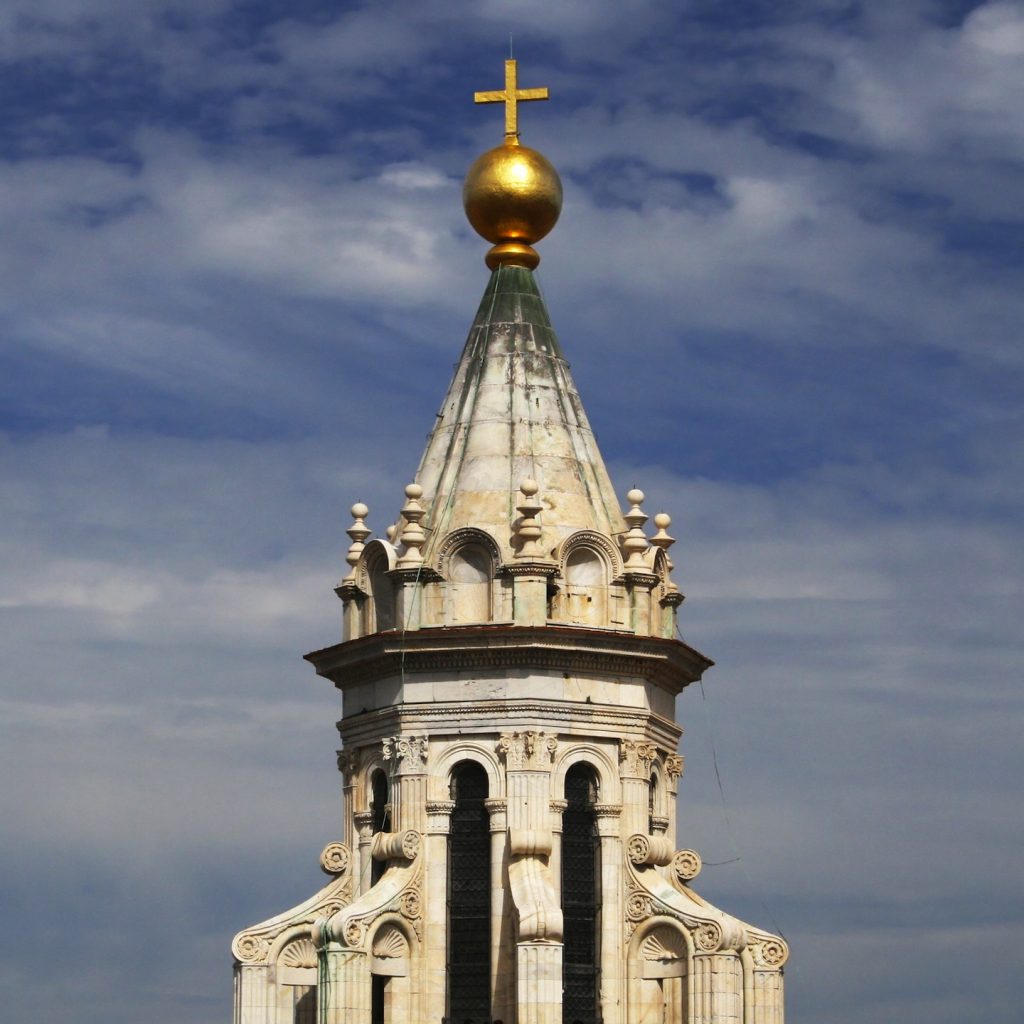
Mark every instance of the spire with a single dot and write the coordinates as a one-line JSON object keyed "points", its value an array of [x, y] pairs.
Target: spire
{"points": [[512, 413]]}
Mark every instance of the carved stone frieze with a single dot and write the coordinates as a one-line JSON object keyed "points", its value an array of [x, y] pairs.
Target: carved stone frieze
{"points": [[410, 753], [527, 750]]}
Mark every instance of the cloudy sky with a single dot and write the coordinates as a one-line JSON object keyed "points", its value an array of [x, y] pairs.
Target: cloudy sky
{"points": [[235, 276]]}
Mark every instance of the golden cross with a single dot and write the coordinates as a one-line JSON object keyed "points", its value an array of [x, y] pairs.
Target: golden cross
{"points": [[510, 96]]}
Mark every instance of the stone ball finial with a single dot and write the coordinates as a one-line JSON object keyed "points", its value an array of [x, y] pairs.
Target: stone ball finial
{"points": [[413, 492], [635, 496], [529, 487], [662, 520], [359, 510]]}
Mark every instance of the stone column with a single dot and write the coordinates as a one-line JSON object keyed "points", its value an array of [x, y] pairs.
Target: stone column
{"points": [[252, 993], [717, 985], [557, 810], [349, 763], [363, 821], [612, 993], [635, 760], [502, 932], [674, 764], [528, 757], [435, 888], [344, 982], [409, 781]]}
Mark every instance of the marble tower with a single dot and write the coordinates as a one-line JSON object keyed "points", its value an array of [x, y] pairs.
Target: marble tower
{"points": [[509, 671]]}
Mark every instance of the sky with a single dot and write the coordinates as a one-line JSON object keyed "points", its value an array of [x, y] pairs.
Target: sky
{"points": [[789, 276]]}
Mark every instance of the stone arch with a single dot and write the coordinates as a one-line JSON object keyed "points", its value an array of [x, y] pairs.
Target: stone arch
{"points": [[659, 965], [377, 560], [608, 784], [440, 779], [460, 538], [596, 542]]}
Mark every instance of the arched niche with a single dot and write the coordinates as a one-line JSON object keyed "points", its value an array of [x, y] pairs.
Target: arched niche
{"points": [[658, 971], [468, 560], [588, 562], [377, 560], [393, 987]]}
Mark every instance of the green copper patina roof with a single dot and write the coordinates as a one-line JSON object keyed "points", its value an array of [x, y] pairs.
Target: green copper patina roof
{"points": [[512, 412]]}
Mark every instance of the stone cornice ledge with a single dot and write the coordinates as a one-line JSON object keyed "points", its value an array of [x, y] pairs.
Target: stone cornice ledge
{"points": [[669, 663]]}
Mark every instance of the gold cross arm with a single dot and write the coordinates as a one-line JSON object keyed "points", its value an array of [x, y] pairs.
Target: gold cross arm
{"points": [[510, 96]]}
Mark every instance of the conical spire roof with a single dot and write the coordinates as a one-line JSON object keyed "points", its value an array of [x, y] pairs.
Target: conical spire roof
{"points": [[512, 413]]}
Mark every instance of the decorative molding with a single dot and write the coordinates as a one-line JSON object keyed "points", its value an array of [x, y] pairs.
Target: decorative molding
{"points": [[299, 953], [527, 750], [460, 538], [591, 539], [409, 751]]}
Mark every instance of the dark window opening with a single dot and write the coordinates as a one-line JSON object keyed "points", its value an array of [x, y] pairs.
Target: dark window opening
{"points": [[381, 814], [581, 901], [469, 898]]}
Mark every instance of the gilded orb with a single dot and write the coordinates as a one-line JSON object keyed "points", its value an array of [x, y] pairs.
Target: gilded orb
{"points": [[513, 197]]}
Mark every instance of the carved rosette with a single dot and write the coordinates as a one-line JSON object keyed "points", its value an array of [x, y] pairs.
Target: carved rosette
{"points": [[524, 751], [769, 953], [686, 865], [334, 859], [250, 949], [636, 758], [708, 937], [410, 753]]}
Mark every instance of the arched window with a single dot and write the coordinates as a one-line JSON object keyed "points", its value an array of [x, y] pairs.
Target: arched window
{"points": [[586, 588], [380, 793], [469, 897], [469, 584], [581, 899]]}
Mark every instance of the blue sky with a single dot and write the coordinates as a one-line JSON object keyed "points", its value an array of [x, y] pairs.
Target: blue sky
{"points": [[789, 276]]}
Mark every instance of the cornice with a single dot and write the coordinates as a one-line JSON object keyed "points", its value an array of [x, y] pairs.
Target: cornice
{"points": [[667, 662]]}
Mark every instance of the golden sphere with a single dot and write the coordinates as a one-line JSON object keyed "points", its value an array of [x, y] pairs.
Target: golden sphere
{"points": [[512, 194]]}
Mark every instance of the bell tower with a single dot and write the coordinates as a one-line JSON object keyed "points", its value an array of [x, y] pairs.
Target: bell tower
{"points": [[508, 670]]}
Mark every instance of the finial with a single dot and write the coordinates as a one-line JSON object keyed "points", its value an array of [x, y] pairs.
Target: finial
{"points": [[662, 540], [512, 194], [358, 531], [413, 536], [529, 531], [635, 542]]}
